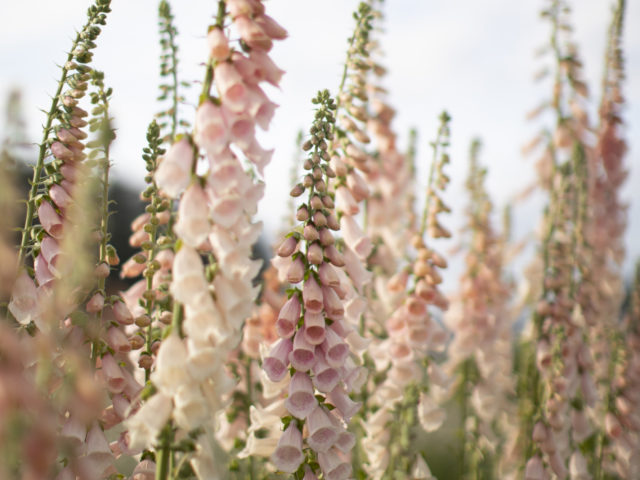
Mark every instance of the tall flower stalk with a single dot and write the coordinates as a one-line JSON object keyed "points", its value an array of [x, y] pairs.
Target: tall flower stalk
{"points": [[480, 353], [61, 110]]}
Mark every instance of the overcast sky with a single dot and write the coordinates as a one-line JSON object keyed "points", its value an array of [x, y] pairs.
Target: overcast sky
{"points": [[474, 58]]}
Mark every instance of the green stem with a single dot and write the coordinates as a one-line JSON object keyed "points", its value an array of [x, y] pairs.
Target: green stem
{"points": [[176, 322], [432, 170], [162, 462]]}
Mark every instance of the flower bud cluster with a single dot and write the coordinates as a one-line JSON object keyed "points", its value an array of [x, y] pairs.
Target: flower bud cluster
{"points": [[313, 347], [146, 300]]}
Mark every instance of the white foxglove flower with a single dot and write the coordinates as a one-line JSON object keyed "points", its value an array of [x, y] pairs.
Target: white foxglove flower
{"points": [[145, 425]]}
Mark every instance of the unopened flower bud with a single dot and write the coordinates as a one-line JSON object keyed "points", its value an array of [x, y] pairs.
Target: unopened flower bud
{"points": [[307, 181], [143, 321], [326, 238], [297, 190], [96, 304], [332, 222], [102, 270], [302, 214], [319, 220], [288, 246], [314, 254], [310, 233], [316, 202], [145, 362], [136, 342]]}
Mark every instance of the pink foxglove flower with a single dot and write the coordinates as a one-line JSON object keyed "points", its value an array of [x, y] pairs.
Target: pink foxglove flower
{"points": [[218, 44], [276, 363], [355, 239], [314, 328], [322, 432], [193, 224], [288, 455], [188, 274], [174, 172], [24, 300], [302, 356], [335, 465], [50, 220], [171, 365], [301, 400]]}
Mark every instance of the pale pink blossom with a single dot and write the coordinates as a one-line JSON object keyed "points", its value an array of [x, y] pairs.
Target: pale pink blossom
{"points": [[174, 171], [50, 220], [333, 306], [355, 238], [259, 156], [218, 44], [301, 400], [24, 300], [95, 303], [288, 246], [193, 223], [339, 399], [188, 275], [335, 465], [288, 317], [117, 340], [226, 209], [113, 374], [122, 313], [252, 34], [355, 268], [295, 273], [73, 432], [302, 356], [430, 415], [211, 131], [264, 68], [171, 365], [60, 151], [345, 202], [276, 363], [325, 376], [288, 455], [322, 432], [357, 186], [420, 470], [60, 196], [312, 296], [534, 469], [145, 470], [190, 407], [314, 328], [43, 275], [242, 130], [578, 469], [232, 88], [336, 350], [243, 7]]}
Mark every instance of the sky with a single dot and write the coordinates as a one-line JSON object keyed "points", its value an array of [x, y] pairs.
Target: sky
{"points": [[474, 59]]}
